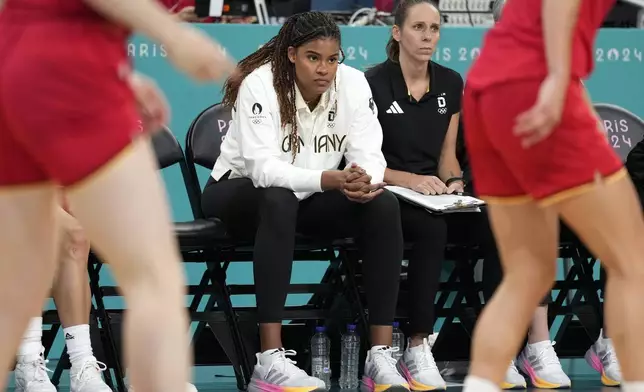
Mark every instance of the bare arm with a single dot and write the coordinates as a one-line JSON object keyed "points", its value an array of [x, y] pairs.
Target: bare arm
{"points": [[559, 20], [398, 178], [448, 166], [147, 17]]}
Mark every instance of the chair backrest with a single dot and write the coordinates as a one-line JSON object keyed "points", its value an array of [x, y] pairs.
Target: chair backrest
{"points": [[167, 148], [169, 153], [205, 135], [624, 128]]}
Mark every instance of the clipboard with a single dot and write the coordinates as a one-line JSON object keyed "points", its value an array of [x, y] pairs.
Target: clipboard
{"points": [[438, 204]]}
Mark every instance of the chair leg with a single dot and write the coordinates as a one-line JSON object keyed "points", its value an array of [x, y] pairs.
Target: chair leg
{"points": [[197, 298], [220, 297], [95, 323], [586, 263], [465, 272], [211, 305], [218, 280], [104, 320], [63, 362], [349, 264]]}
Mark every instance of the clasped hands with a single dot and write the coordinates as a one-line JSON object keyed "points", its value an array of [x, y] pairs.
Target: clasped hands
{"points": [[353, 182]]}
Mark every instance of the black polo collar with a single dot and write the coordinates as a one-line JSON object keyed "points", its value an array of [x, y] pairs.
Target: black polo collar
{"points": [[399, 87]]}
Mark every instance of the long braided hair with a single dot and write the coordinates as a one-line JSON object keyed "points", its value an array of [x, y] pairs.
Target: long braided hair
{"points": [[298, 30]]}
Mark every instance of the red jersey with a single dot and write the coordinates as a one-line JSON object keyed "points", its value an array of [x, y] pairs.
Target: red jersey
{"points": [[514, 48], [66, 107], [75, 13]]}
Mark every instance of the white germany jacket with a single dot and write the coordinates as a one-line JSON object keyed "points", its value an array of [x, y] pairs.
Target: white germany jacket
{"points": [[345, 123]]}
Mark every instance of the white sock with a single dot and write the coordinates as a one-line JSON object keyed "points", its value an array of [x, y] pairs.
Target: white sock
{"points": [[79, 345], [478, 384], [632, 386], [31, 344]]}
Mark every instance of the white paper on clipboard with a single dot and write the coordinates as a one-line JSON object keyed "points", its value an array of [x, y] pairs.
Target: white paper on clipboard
{"points": [[216, 8], [438, 203]]}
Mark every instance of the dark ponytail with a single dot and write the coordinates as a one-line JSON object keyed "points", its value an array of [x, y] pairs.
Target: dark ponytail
{"points": [[393, 50], [400, 16], [298, 30]]}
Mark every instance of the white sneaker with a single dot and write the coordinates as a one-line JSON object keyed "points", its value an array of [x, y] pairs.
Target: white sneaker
{"points": [[417, 365], [380, 372], [539, 361], [31, 374], [513, 379], [274, 372], [601, 357], [87, 377]]}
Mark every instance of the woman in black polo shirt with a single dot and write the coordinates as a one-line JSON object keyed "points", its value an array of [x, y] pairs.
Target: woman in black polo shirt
{"points": [[418, 107]]}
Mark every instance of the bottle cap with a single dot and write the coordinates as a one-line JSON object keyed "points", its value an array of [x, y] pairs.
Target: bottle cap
{"points": [[396, 324], [351, 327], [321, 328]]}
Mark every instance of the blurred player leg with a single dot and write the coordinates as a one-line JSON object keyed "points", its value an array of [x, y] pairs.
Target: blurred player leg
{"points": [[28, 247], [608, 218], [72, 296], [132, 231], [527, 238]]}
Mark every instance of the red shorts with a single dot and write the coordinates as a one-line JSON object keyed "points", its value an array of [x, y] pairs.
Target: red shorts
{"points": [[65, 107], [573, 156]]}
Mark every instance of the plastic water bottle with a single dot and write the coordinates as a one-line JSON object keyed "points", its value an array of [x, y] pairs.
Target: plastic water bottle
{"points": [[321, 356], [398, 340], [350, 357]]}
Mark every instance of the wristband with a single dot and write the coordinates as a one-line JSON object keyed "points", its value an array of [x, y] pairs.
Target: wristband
{"points": [[454, 179]]}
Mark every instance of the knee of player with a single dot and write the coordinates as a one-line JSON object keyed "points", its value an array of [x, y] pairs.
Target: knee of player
{"points": [[76, 246], [537, 278]]}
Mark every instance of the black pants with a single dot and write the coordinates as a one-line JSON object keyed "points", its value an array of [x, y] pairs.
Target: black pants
{"points": [[272, 216], [428, 235]]}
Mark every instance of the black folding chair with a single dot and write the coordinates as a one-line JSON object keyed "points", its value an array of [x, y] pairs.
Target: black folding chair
{"points": [[203, 143], [199, 242]]}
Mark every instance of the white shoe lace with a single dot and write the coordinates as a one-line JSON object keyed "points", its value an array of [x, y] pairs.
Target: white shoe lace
{"points": [[548, 356], [90, 369], [40, 371], [427, 361], [513, 366], [287, 365], [383, 358]]}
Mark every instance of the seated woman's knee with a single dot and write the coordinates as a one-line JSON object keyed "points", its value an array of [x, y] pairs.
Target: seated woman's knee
{"points": [[385, 205], [422, 227], [280, 201]]}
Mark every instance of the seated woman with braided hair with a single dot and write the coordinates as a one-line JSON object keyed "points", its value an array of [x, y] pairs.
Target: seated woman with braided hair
{"points": [[296, 112]]}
